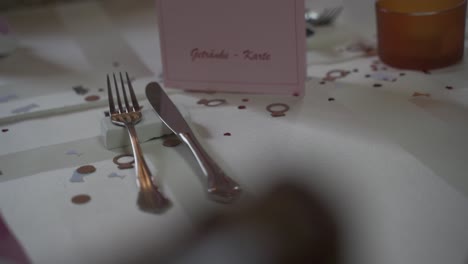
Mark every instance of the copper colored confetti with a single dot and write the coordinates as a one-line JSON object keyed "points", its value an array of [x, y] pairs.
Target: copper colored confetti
{"points": [[449, 87], [86, 169], [171, 142], [276, 113], [81, 199], [335, 74], [227, 134], [123, 165], [212, 102], [92, 98], [5, 130], [241, 107], [416, 94]]}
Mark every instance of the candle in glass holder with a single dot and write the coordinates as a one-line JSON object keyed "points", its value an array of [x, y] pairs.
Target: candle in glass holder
{"points": [[420, 34]]}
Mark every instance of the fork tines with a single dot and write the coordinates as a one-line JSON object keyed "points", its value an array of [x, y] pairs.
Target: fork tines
{"points": [[134, 107]]}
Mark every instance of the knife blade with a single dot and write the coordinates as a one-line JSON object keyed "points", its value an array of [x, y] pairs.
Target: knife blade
{"points": [[220, 187]]}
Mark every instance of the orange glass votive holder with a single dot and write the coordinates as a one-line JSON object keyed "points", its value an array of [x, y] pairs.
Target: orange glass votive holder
{"points": [[420, 34]]}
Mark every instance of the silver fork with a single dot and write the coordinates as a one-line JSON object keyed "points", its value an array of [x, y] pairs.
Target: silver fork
{"points": [[323, 18], [149, 197]]}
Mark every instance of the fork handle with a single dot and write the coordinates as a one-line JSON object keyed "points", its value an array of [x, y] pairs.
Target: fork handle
{"points": [[220, 187], [149, 198]]}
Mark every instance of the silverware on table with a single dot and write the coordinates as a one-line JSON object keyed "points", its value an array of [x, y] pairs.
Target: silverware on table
{"points": [[220, 187], [150, 198], [325, 17]]}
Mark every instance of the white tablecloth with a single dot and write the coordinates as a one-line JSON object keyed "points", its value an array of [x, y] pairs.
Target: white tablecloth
{"points": [[391, 158]]}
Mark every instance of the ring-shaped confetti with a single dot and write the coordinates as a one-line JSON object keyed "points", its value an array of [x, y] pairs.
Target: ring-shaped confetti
{"points": [[123, 165], [336, 74], [214, 102], [277, 113]]}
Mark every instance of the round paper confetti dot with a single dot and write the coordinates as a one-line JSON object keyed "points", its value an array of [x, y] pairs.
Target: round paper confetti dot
{"points": [[171, 142], [241, 107], [449, 87], [86, 169], [92, 98], [81, 199], [331, 99], [227, 134], [377, 85]]}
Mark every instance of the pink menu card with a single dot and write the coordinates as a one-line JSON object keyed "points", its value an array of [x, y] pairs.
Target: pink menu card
{"points": [[249, 46]]}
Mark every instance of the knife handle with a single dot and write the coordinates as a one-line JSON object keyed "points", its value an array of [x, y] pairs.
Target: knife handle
{"points": [[220, 187]]}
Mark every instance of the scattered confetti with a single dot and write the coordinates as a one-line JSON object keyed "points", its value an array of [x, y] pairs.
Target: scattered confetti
{"points": [[331, 99], [24, 109], [277, 113], [171, 141], [80, 90], [5, 130], [77, 177], [81, 199], [73, 152], [6, 98], [124, 165], [384, 76], [116, 175], [241, 107], [86, 169], [449, 87], [227, 134], [92, 98], [335, 74], [212, 102], [416, 94], [377, 85]]}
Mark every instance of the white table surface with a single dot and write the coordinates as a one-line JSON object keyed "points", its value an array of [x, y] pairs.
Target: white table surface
{"points": [[394, 166]]}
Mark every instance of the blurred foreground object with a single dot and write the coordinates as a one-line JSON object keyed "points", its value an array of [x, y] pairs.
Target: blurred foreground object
{"points": [[421, 34], [288, 225], [7, 40]]}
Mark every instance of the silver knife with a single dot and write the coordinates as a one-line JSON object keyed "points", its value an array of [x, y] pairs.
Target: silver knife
{"points": [[220, 187]]}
